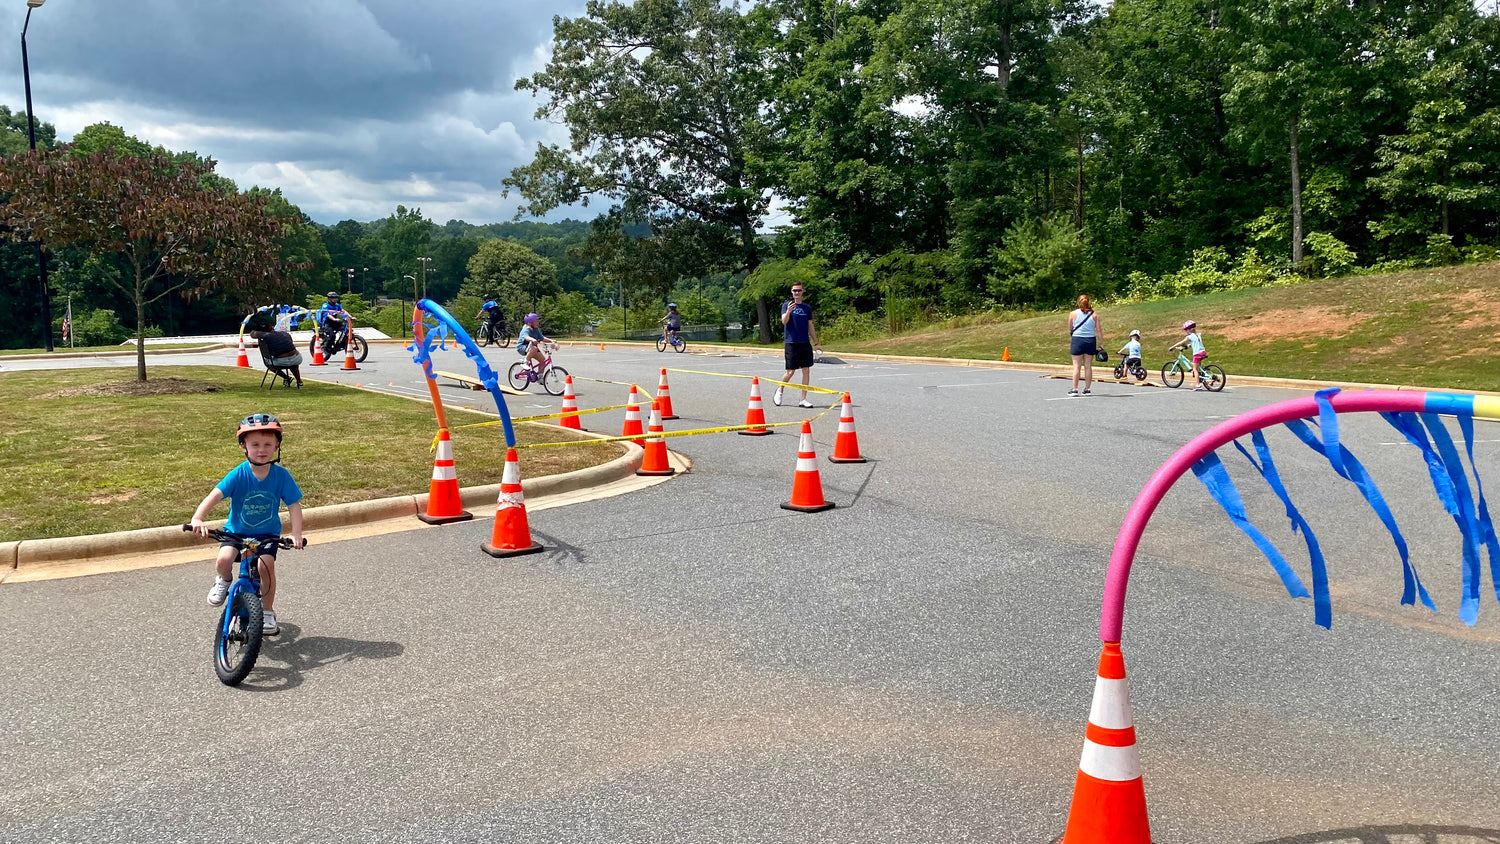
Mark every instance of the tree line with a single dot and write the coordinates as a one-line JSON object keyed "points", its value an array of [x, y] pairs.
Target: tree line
{"points": [[948, 155]]}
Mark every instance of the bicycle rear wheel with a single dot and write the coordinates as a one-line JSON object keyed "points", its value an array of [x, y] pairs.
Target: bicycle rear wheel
{"points": [[1213, 377], [517, 375], [1172, 374], [554, 380], [681, 345], [237, 637]]}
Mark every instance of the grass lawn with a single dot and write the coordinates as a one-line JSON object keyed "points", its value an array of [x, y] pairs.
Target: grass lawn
{"points": [[111, 348], [1431, 328], [77, 459]]}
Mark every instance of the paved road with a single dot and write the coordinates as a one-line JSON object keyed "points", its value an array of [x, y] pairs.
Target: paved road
{"points": [[693, 664]]}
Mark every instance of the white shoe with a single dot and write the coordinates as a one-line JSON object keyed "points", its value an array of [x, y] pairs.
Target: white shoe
{"points": [[776, 399], [804, 403], [268, 626], [217, 593]]}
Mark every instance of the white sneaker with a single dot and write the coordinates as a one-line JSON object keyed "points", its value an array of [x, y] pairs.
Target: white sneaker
{"points": [[776, 399], [268, 625], [217, 593], [804, 403]]}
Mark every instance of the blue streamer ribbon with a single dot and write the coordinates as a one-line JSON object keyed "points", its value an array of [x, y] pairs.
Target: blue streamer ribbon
{"points": [[1322, 606], [1211, 472], [1468, 522], [1350, 469], [1486, 525]]}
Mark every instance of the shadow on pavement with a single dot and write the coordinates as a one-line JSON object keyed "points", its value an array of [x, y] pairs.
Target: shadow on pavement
{"points": [[285, 658], [1397, 834]]}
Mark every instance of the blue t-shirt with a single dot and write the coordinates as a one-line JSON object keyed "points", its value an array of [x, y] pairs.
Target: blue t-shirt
{"points": [[796, 324], [331, 307], [254, 504], [527, 333], [492, 305]]}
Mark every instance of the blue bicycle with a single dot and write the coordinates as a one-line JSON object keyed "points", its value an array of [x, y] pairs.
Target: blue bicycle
{"points": [[671, 338], [237, 637]]}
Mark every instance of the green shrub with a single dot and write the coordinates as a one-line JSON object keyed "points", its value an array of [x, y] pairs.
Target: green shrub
{"points": [[1441, 252], [850, 326], [1327, 256]]}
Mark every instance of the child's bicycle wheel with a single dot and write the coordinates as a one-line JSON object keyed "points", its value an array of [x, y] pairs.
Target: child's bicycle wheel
{"points": [[519, 375], [1120, 370], [237, 637], [1172, 374], [680, 344], [1138, 372], [661, 343], [1213, 377], [554, 380]]}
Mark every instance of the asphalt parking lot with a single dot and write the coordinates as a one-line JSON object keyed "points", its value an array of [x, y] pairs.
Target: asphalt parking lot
{"points": [[691, 663]]}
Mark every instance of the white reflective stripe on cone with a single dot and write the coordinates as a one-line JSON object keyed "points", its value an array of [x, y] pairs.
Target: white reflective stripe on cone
{"points": [[512, 473], [1111, 708], [444, 473], [1116, 764], [445, 450], [807, 464]]}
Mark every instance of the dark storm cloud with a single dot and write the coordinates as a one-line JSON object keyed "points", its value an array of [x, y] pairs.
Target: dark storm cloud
{"points": [[355, 104]]}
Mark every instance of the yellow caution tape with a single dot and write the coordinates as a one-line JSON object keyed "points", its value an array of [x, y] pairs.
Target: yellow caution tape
{"points": [[808, 387]]}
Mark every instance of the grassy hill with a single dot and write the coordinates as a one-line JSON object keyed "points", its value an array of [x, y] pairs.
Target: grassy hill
{"points": [[1435, 328]]}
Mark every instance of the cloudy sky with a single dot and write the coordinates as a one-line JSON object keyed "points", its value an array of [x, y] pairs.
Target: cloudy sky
{"points": [[349, 106]]}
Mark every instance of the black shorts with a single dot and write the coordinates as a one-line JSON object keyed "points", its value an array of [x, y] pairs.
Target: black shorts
{"points": [[799, 355], [267, 550], [1085, 346]]}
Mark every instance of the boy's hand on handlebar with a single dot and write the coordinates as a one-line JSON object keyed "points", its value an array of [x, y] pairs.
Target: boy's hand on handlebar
{"points": [[200, 528]]}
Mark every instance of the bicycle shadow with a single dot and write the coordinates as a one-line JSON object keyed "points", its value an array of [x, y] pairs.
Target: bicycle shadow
{"points": [[1396, 834], [285, 658]]}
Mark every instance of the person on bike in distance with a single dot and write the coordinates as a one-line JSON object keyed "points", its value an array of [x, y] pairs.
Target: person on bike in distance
{"points": [[672, 322], [491, 310], [1132, 350], [1194, 340], [256, 489], [331, 319], [530, 342]]}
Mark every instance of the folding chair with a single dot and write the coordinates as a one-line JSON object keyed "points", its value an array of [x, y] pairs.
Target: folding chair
{"points": [[273, 371]]}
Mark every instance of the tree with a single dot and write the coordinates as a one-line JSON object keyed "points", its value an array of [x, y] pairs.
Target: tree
{"points": [[14, 135], [503, 261], [174, 235], [663, 102], [397, 242]]}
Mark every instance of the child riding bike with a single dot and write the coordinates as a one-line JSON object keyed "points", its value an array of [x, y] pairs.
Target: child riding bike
{"points": [[671, 323], [1195, 341], [1132, 352], [256, 490], [530, 343], [493, 320]]}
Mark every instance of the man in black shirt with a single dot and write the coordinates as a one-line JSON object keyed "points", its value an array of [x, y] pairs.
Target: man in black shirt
{"points": [[280, 349]]}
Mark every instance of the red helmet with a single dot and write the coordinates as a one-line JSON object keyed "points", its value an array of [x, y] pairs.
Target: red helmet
{"points": [[258, 422]]}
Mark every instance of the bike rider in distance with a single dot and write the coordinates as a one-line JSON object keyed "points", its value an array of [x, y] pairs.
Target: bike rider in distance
{"points": [[530, 343], [672, 322], [331, 319], [490, 310]]}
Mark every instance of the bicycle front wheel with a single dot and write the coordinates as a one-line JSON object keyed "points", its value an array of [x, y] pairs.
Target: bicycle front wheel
{"points": [[361, 350], [486, 334], [1172, 374], [1119, 370], [1213, 377], [517, 375], [554, 380], [661, 344], [237, 638]]}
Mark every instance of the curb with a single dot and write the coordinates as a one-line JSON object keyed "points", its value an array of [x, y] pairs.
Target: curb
{"points": [[16, 555]]}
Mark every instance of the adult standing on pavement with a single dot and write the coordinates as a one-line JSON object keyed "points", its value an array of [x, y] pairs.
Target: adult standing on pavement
{"points": [[800, 338], [1084, 335]]}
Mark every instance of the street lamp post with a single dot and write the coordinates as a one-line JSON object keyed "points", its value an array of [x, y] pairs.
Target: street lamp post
{"points": [[366, 290], [41, 255], [424, 261], [348, 279]]}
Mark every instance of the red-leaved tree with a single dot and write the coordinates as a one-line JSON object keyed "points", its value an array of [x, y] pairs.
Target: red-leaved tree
{"points": [[177, 230]]}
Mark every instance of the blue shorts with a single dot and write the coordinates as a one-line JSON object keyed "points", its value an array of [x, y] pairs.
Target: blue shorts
{"points": [[1084, 346]]}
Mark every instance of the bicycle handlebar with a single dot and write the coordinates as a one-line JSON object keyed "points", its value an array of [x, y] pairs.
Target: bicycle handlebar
{"points": [[225, 536]]}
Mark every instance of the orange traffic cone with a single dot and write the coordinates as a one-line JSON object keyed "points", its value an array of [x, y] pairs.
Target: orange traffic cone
{"points": [[512, 534], [846, 444], [601, 347], [570, 402], [664, 395], [1109, 799], [443, 501], [655, 461], [349, 362], [242, 360], [318, 351], [755, 414], [807, 486], [1005, 355], [633, 417]]}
